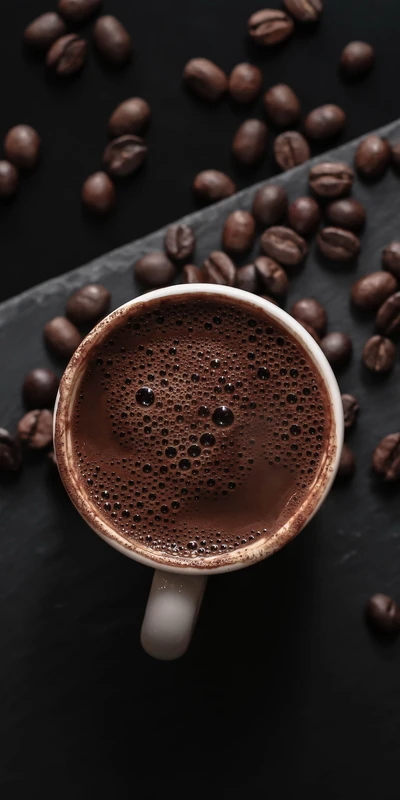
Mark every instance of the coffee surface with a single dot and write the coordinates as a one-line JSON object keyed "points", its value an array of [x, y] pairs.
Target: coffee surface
{"points": [[199, 426]]}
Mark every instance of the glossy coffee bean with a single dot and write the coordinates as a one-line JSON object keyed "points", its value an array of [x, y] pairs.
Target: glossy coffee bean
{"points": [[43, 31], [246, 278], [338, 244], [218, 268], [350, 411], [205, 79], [35, 429], [270, 204], [250, 141], [212, 185], [391, 258], [379, 354], [155, 270], [10, 452], [356, 59], [271, 277], [130, 116], [40, 387], [22, 146], [179, 242], [88, 304], [310, 310], [269, 26], [192, 274], [304, 10], [284, 245], [124, 156], [112, 40], [291, 149], [239, 232], [245, 82], [310, 330], [98, 193], [386, 458], [346, 213], [388, 317], [282, 105], [304, 215], [331, 179], [347, 464], [8, 179], [67, 55], [62, 337], [395, 154], [337, 348], [383, 614], [372, 157], [325, 122], [369, 292], [78, 10]]}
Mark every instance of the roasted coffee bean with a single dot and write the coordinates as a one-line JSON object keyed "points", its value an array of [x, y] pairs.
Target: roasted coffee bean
{"points": [[238, 232], [218, 268], [98, 193], [304, 215], [338, 244], [8, 179], [372, 290], [35, 429], [40, 387], [388, 316], [379, 354], [192, 274], [88, 304], [211, 186], [304, 10], [350, 410], [386, 458], [391, 259], [383, 614], [246, 278], [310, 330], [250, 141], [310, 310], [331, 179], [269, 26], [124, 156], [269, 299], [179, 242], [67, 55], [155, 269], [347, 464], [372, 157], [284, 245], [270, 204], [357, 59], [10, 452], [282, 105], [325, 122], [22, 146], [43, 31], [395, 153], [271, 277], [291, 149], [346, 213], [62, 337], [131, 116], [78, 10], [112, 40], [337, 348], [205, 79], [245, 82]]}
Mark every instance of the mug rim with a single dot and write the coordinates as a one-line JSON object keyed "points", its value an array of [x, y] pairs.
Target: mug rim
{"points": [[254, 551]]}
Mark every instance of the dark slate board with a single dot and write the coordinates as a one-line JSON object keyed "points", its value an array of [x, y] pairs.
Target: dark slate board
{"points": [[284, 689]]}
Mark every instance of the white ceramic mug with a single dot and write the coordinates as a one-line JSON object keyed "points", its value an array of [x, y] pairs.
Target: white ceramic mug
{"points": [[178, 584]]}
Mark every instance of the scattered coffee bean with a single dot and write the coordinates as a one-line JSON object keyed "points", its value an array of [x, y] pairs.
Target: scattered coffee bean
{"points": [[311, 311], [372, 290], [395, 153], [391, 259], [124, 156], [35, 429], [310, 330], [379, 354], [238, 232], [269, 299], [388, 316], [205, 79], [245, 82], [155, 270], [67, 55], [246, 278], [22, 146], [211, 186], [284, 245], [325, 122], [192, 274], [43, 31], [337, 348], [62, 337], [98, 193], [304, 215], [218, 268], [269, 26], [131, 116], [271, 277], [331, 179], [250, 141], [357, 59], [8, 179], [338, 244], [78, 10], [88, 304], [179, 242], [304, 10], [386, 458], [372, 157], [10, 452], [350, 410], [40, 387], [270, 204], [383, 614], [112, 40], [282, 105], [346, 213], [291, 149], [347, 464]]}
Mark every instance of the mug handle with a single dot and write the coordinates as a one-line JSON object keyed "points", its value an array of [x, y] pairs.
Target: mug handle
{"points": [[171, 613]]}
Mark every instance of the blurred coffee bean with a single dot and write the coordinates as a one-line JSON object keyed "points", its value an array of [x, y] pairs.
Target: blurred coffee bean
{"points": [[383, 614], [67, 55], [304, 10], [124, 156], [310, 330], [325, 122], [8, 179], [52, 460], [238, 232], [337, 348], [356, 59], [78, 10], [270, 204], [269, 299], [10, 452], [284, 245], [347, 464], [22, 146], [35, 429], [372, 157], [192, 274], [218, 268], [338, 244], [395, 154], [61, 337], [379, 354], [331, 179], [155, 270], [304, 215], [40, 387], [350, 410], [179, 242], [250, 141], [291, 149], [282, 105], [112, 40], [269, 26], [246, 278], [388, 317], [271, 277], [211, 186], [88, 304], [43, 31], [391, 258], [245, 82], [98, 193], [346, 213], [386, 458], [131, 116], [369, 292], [205, 79], [310, 310]]}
